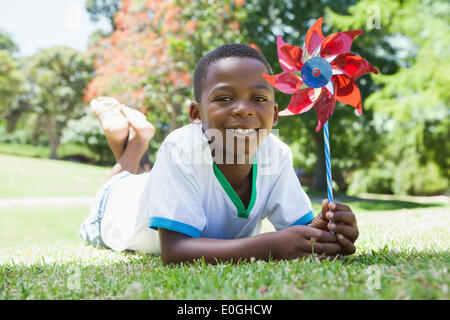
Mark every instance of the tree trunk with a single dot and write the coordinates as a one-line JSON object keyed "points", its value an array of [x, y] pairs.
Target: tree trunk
{"points": [[54, 144], [320, 178], [11, 121], [53, 136]]}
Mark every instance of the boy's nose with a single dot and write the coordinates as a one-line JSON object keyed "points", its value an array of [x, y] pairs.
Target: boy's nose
{"points": [[243, 109]]}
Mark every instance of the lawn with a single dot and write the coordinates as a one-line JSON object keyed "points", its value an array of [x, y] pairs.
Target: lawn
{"points": [[402, 252], [35, 177]]}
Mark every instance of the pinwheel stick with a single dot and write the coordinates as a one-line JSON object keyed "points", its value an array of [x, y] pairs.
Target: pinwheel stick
{"points": [[326, 140]]}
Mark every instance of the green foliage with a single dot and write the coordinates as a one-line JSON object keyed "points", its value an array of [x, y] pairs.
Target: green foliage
{"points": [[412, 178], [57, 77], [372, 180], [212, 24], [6, 43], [87, 132], [411, 108], [18, 136], [102, 8], [10, 86]]}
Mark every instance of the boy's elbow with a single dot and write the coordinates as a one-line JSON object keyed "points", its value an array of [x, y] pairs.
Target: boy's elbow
{"points": [[168, 259], [170, 251]]}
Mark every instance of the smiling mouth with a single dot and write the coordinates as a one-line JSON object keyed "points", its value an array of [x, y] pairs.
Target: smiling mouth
{"points": [[243, 131]]}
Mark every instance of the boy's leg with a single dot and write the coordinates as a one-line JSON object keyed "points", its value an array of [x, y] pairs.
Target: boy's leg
{"points": [[140, 133]]}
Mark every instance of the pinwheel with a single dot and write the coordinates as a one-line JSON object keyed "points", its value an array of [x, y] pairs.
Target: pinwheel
{"points": [[317, 75]]}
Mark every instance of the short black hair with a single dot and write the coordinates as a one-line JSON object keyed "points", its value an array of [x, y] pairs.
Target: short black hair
{"points": [[232, 50]]}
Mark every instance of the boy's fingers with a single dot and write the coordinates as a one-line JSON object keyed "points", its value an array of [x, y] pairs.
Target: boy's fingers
{"points": [[320, 235], [337, 206], [326, 248], [324, 207], [346, 217], [347, 231], [347, 245]]}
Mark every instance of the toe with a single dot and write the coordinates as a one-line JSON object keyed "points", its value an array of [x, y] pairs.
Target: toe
{"points": [[102, 105], [138, 121]]}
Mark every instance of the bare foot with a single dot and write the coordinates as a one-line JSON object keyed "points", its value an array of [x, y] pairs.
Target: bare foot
{"points": [[113, 123], [140, 133], [140, 128]]}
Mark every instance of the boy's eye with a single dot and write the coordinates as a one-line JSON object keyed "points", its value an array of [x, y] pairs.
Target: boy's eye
{"points": [[223, 99], [259, 99]]}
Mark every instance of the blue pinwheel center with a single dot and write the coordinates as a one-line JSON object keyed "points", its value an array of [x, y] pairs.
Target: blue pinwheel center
{"points": [[316, 72]]}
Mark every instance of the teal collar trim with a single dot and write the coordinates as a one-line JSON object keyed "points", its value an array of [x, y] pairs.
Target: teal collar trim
{"points": [[242, 212]]}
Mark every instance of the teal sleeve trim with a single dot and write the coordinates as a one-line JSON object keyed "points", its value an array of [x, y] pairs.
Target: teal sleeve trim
{"points": [[305, 219], [158, 222]]}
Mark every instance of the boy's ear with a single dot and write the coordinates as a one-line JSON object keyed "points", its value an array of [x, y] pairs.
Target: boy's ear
{"points": [[275, 114], [194, 111]]}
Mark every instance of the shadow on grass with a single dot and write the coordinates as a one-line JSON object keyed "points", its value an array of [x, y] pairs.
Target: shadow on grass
{"points": [[387, 205], [365, 204]]}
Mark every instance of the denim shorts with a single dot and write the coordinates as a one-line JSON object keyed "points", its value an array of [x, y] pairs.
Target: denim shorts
{"points": [[90, 230]]}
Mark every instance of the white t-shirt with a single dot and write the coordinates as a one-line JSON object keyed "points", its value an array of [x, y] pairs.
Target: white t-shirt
{"points": [[188, 194]]}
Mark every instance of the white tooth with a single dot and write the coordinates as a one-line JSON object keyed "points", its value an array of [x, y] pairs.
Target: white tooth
{"points": [[243, 131]]}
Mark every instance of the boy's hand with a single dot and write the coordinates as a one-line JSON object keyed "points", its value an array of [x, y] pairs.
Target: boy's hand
{"points": [[344, 224], [301, 241]]}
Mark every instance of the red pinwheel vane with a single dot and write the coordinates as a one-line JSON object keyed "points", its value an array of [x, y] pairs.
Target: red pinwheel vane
{"points": [[319, 74]]}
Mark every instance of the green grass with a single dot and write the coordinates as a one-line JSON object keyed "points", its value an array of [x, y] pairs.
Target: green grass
{"points": [[405, 257], [42, 225], [402, 253], [27, 150], [30, 177]]}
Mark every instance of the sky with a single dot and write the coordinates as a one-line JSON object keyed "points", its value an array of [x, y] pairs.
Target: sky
{"points": [[39, 24]]}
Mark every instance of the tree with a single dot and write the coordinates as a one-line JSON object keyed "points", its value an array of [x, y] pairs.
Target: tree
{"points": [[102, 8], [10, 87], [6, 43], [10, 81], [58, 77], [411, 107]]}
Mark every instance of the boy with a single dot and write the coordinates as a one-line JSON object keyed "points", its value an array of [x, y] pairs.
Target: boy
{"points": [[206, 195]]}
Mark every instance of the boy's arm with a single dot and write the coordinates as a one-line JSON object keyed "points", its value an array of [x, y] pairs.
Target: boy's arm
{"points": [[289, 243]]}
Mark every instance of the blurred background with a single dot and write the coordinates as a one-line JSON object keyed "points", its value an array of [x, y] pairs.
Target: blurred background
{"points": [[55, 56]]}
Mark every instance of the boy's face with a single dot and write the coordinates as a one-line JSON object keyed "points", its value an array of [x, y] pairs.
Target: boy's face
{"points": [[236, 96]]}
